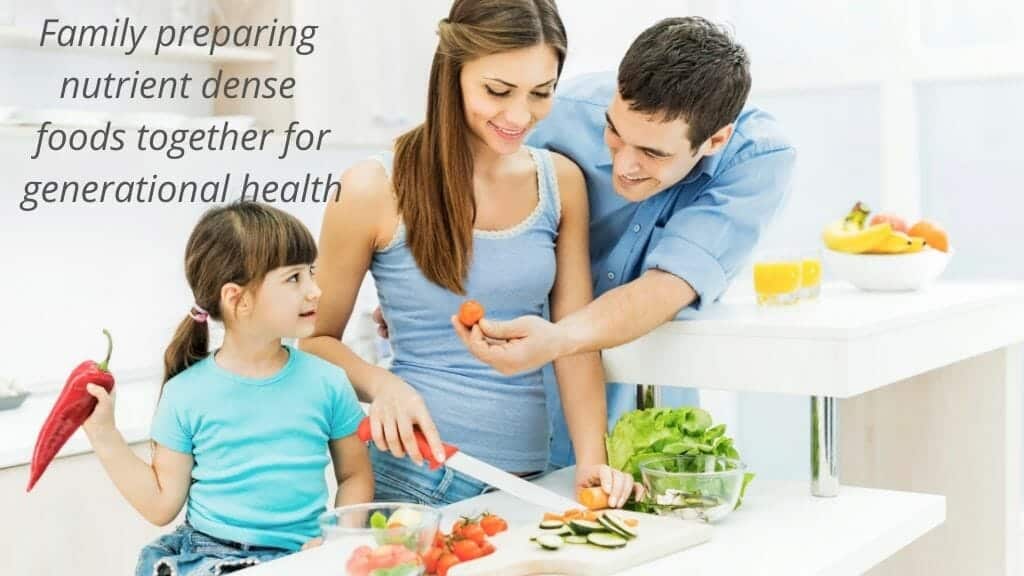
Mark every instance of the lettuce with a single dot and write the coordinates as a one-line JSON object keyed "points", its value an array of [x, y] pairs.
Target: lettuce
{"points": [[686, 430]]}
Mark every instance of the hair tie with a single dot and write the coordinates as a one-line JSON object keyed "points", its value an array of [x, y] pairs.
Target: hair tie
{"points": [[198, 314]]}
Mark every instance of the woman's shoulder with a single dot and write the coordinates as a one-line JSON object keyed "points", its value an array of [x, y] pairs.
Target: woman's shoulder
{"points": [[366, 202], [572, 188], [367, 180]]}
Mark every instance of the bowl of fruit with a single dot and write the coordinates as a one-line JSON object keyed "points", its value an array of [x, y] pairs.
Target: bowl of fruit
{"points": [[882, 253], [382, 539]]}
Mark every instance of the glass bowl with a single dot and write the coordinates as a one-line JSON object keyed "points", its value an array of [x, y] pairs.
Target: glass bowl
{"points": [[379, 539], [702, 487]]}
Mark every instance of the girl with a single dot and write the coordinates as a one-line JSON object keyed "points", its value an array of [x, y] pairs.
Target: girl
{"points": [[242, 434], [461, 209]]}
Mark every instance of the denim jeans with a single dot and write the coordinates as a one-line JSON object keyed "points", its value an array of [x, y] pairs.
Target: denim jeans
{"points": [[188, 552], [400, 480]]}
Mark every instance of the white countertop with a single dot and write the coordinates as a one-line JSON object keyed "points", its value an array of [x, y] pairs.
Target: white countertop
{"points": [[780, 530], [843, 344], [134, 404]]}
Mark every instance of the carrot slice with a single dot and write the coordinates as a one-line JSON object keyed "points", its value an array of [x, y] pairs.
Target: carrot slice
{"points": [[632, 522], [593, 498], [551, 516]]}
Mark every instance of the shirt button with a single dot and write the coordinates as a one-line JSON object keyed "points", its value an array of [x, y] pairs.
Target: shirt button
{"points": [[636, 228], [611, 275]]}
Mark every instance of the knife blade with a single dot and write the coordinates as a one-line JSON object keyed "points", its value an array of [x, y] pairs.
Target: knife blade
{"points": [[486, 473]]}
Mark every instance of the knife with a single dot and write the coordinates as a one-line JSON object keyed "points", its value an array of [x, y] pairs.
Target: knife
{"points": [[484, 472]]}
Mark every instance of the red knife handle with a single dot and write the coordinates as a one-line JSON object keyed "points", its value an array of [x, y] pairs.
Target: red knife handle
{"points": [[365, 435]]}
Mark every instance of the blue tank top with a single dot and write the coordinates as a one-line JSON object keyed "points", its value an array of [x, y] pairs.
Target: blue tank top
{"points": [[499, 419]]}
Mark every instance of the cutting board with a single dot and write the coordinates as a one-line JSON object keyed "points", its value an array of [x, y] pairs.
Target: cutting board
{"points": [[517, 555]]}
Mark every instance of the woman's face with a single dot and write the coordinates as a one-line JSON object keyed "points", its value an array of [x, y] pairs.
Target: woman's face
{"points": [[505, 94]]}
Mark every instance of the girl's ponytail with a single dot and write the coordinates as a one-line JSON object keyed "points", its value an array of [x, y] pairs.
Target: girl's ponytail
{"points": [[191, 343]]}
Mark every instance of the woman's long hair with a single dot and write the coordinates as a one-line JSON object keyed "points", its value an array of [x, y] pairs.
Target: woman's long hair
{"points": [[433, 166]]}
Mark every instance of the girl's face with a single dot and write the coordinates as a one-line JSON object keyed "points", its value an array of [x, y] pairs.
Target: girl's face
{"points": [[286, 303], [505, 94]]}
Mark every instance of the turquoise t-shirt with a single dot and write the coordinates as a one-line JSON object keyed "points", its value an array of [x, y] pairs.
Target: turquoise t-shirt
{"points": [[260, 445]]}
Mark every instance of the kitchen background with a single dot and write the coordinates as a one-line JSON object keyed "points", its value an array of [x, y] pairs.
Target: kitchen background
{"points": [[911, 106]]}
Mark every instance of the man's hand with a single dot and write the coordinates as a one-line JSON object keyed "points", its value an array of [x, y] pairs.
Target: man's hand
{"points": [[382, 325], [518, 345]]}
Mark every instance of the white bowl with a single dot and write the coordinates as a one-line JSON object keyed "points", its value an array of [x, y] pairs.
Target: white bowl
{"points": [[888, 272]]}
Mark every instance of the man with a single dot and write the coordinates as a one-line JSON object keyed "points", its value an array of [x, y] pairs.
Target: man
{"points": [[682, 180]]}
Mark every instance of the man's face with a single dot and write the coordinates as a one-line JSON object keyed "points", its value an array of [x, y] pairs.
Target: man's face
{"points": [[648, 155]]}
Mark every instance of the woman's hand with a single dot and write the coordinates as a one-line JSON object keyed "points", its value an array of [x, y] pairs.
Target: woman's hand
{"points": [[396, 409], [616, 484], [102, 418]]}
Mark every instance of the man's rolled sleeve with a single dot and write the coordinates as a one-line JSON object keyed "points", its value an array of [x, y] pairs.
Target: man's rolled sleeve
{"points": [[708, 241]]}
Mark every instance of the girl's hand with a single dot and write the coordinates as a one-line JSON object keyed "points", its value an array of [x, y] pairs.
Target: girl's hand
{"points": [[616, 484], [102, 418], [395, 410], [312, 543]]}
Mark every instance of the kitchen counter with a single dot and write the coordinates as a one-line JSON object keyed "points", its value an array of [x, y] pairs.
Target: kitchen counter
{"points": [[916, 391], [779, 530]]}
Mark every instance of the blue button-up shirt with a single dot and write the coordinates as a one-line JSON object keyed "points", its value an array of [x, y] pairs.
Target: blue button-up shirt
{"points": [[703, 228]]}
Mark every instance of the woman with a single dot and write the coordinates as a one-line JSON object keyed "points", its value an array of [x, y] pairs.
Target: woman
{"points": [[461, 209]]}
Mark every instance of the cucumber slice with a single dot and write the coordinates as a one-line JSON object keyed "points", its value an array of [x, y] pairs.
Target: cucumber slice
{"points": [[551, 525], [563, 531], [606, 540], [618, 525], [550, 541], [574, 539], [584, 527], [611, 526]]}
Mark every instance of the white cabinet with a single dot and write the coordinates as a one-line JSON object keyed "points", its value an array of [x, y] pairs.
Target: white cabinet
{"points": [[73, 522]]}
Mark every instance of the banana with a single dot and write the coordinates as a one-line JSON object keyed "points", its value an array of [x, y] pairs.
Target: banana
{"points": [[848, 236], [894, 243], [916, 245]]}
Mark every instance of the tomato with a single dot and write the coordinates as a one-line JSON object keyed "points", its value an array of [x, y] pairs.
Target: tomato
{"points": [[447, 561], [470, 313], [466, 550], [430, 559], [474, 532], [486, 549], [493, 524]]}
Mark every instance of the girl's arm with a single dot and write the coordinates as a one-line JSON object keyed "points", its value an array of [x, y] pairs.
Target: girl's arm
{"points": [[581, 380], [362, 219], [352, 470], [157, 490]]}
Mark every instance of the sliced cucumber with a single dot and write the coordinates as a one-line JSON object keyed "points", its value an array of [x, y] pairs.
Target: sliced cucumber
{"points": [[584, 527], [606, 540], [550, 541], [574, 539], [617, 525], [551, 525], [611, 527]]}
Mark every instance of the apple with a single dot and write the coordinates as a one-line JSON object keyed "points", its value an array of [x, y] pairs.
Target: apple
{"points": [[898, 224]]}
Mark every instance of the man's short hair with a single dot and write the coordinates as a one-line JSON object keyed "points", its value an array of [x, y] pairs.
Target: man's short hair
{"points": [[686, 68]]}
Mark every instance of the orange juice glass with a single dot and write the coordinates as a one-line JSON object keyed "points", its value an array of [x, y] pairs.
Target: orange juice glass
{"points": [[777, 281], [810, 276]]}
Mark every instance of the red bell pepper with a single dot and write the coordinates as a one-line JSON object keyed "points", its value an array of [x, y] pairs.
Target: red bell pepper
{"points": [[73, 407]]}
